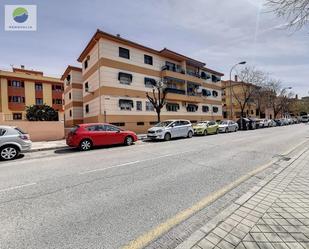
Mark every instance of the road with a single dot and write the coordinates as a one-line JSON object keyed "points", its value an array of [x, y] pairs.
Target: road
{"points": [[107, 197]]}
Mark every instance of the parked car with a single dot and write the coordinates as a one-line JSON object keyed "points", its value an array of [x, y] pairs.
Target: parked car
{"points": [[12, 142], [304, 119], [228, 126], [246, 124], [206, 127], [171, 129], [279, 122], [87, 136], [261, 123], [272, 123]]}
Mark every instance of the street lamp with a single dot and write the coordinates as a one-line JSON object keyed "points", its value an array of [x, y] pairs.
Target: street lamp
{"points": [[231, 97]]}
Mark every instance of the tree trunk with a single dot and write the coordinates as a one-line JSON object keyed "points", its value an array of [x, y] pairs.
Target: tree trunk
{"points": [[158, 115]]}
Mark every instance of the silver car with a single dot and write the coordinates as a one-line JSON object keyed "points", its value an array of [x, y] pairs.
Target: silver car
{"points": [[228, 126], [13, 141], [171, 129]]}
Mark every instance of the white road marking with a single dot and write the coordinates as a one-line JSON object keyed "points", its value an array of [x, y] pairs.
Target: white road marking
{"points": [[17, 187], [130, 163]]}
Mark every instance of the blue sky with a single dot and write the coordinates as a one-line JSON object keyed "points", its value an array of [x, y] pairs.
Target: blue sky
{"points": [[219, 33]]}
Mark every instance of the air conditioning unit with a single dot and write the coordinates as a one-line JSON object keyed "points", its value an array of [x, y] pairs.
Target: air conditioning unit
{"points": [[199, 89]]}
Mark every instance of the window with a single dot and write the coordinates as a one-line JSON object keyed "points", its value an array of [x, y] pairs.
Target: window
{"points": [[148, 59], [125, 78], [206, 92], [2, 131], [70, 95], [16, 83], [204, 76], [184, 122], [215, 78], [140, 123], [96, 128], [149, 106], [57, 101], [16, 99], [192, 108], [118, 124], [205, 108], [215, 93], [38, 87], [125, 104], [87, 108], [86, 87], [124, 53], [215, 109], [149, 82], [68, 78], [172, 107], [111, 128], [17, 116], [70, 113], [139, 106], [39, 101], [86, 63], [57, 88]]}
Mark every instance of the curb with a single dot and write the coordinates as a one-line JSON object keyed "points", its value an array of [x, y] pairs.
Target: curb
{"points": [[199, 234]]}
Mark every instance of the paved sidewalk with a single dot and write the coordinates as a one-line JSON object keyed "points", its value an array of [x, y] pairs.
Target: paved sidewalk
{"points": [[274, 214], [48, 145]]}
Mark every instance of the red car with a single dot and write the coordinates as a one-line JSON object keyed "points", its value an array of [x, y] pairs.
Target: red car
{"points": [[86, 136]]}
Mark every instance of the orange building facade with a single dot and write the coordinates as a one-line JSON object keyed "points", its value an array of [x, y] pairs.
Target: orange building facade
{"points": [[20, 88]]}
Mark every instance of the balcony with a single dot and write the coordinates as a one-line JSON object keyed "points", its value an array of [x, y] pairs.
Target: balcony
{"points": [[175, 90]]}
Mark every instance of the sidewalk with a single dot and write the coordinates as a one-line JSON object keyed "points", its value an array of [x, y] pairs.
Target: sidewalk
{"points": [[274, 214], [61, 144]]}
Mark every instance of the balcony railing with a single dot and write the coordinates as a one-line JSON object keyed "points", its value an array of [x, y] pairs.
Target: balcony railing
{"points": [[173, 69], [175, 90]]}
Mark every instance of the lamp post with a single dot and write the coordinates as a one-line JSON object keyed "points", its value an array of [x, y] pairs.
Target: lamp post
{"points": [[231, 97], [283, 95]]}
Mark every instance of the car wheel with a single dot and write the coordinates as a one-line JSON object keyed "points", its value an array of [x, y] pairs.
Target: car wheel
{"points": [[128, 140], [167, 136], [205, 133], [85, 144], [190, 134], [9, 152]]}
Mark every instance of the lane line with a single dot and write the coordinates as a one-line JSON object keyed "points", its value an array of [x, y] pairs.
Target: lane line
{"points": [[131, 163], [145, 239], [17, 187]]}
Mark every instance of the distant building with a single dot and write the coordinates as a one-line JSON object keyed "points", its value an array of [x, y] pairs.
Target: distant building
{"points": [[255, 108], [116, 74], [21, 87]]}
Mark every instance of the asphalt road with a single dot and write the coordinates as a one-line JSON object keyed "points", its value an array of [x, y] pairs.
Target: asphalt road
{"points": [[107, 197]]}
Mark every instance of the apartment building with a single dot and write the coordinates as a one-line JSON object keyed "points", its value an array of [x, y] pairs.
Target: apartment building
{"points": [[236, 93], [117, 73], [73, 96], [21, 87]]}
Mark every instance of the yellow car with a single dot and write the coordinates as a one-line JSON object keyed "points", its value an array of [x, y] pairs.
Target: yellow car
{"points": [[206, 127]]}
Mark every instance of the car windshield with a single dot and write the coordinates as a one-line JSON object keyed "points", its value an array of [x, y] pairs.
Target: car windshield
{"points": [[223, 122], [20, 130], [73, 129], [201, 124], [163, 124]]}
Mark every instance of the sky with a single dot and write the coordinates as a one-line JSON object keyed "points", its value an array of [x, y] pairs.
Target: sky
{"points": [[217, 32]]}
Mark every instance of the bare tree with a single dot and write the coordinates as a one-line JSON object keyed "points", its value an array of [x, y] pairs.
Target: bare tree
{"points": [[158, 98], [279, 98], [296, 12], [250, 85]]}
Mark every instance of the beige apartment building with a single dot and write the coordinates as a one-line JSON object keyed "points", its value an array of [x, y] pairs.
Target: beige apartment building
{"points": [[116, 74]]}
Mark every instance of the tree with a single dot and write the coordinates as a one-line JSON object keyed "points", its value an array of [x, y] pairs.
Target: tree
{"points": [[250, 85], [279, 99], [296, 12], [41, 113], [158, 98]]}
